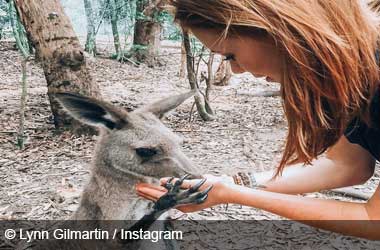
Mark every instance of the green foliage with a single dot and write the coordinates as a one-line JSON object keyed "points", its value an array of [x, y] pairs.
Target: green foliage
{"points": [[19, 32], [127, 14], [170, 30], [162, 17], [4, 19], [124, 9], [174, 33], [197, 47], [139, 47]]}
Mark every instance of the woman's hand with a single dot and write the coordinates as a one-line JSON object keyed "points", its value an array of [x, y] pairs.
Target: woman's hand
{"points": [[216, 196]]}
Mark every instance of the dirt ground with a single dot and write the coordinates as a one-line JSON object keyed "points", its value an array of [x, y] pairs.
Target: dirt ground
{"points": [[44, 180]]}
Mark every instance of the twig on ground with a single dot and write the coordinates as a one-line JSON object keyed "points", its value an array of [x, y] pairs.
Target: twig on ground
{"points": [[262, 93], [351, 192]]}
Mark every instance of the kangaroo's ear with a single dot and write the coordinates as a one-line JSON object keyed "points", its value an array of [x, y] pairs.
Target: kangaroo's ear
{"points": [[91, 111], [160, 108]]}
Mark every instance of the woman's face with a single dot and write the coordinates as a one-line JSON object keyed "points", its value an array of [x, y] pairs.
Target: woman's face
{"points": [[261, 57]]}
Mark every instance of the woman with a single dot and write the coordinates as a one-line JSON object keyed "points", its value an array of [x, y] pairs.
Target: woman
{"points": [[323, 53]]}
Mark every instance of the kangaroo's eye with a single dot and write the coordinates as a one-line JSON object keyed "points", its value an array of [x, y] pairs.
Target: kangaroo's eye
{"points": [[146, 152]]}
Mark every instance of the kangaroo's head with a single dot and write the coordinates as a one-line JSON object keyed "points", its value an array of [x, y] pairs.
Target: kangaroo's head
{"points": [[133, 144]]}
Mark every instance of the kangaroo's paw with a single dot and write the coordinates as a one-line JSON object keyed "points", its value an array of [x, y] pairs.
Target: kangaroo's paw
{"points": [[175, 196]]}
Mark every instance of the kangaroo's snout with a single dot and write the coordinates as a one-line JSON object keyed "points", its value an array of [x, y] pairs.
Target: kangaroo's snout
{"points": [[185, 166]]}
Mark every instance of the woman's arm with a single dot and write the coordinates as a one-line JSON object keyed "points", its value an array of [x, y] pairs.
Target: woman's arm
{"points": [[345, 164], [355, 219]]}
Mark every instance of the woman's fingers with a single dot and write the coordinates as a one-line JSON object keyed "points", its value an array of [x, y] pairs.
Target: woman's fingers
{"points": [[149, 191], [185, 184], [140, 186], [145, 196]]}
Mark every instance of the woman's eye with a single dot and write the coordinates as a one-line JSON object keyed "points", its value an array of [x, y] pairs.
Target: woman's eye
{"points": [[146, 152], [229, 58]]}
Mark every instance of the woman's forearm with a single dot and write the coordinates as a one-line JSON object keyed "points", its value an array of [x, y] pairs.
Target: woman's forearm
{"points": [[342, 217], [298, 179], [345, 164]]}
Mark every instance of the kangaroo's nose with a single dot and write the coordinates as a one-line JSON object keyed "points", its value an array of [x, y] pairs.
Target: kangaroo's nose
{"points": [[185, 166]]}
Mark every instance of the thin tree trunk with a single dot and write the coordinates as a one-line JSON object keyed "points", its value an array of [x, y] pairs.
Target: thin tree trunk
{"points": [[115, 29], [23, 46], [182, 70], [90, 46], [60, 53], [209, 83], [21, 129], [193, 79]]}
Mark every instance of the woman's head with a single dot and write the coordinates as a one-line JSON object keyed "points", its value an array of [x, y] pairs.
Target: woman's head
{"points": [[267, 59], [326, 52]]}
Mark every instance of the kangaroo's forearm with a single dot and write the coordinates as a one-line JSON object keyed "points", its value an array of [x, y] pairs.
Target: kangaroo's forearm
{"points": [[143, 224], [147, 220], [325, 214]]}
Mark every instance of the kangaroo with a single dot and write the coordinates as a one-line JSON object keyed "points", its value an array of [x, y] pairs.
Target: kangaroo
{"points": [[133, 147]]}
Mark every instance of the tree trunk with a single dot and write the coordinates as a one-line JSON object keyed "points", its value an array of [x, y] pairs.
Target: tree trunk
{"points": [[115, 28], [146, 42], [192, 76], [90, 46], [60, 53]]}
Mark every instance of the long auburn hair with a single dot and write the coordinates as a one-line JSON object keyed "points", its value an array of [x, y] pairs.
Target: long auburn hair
{"points": [[330, 65]]}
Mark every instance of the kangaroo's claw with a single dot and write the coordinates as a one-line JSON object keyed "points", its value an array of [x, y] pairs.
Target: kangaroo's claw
{"points": [[197, 186], [175, 196], [178, 183], [196, 198], [168, 185]]}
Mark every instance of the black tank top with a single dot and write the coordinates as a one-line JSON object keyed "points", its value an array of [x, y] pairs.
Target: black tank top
{"points": [[358, 132]]}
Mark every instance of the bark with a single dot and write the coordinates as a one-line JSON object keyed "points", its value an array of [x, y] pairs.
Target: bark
{"points": [[90, 46], [60, 53], [147, 32]]}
